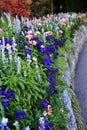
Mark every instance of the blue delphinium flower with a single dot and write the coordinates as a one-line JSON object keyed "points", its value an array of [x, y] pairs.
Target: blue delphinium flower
{"points": [[20, 114], [45, 103]]}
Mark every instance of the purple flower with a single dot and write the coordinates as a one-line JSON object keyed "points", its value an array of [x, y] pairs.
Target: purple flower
{"points": [[56, 55], [43, 125], [45, 103], [48, 126], [1, 125], [34, 39], [26, 28], [26, 44], [52, 90], [6, 41], [48, 38], [21, 33], [49, 49], [11, 41], [39, 43], [5, 104], [9, 94], [56, 70], [20, 114], [47, 62], [63, 39], [60, 43], [1, 91], [56, 42], [23, 128], [51, 78], [6, 127], [27, 51]]}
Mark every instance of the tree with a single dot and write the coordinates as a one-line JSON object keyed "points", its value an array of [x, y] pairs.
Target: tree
{"points": [[51, 4], [40, 8]]}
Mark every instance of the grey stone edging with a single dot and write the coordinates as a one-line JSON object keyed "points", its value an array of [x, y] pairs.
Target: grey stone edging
{"points": [[78, 41]]}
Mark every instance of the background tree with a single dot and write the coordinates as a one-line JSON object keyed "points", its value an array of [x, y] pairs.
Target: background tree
{"points": [[40, 8]]}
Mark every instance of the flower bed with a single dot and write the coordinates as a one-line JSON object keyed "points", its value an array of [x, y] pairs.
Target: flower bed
{"points": [[32, 66]]}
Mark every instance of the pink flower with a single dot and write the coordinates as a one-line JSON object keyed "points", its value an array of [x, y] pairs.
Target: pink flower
{"points": [[80, 16], [44, 18], [29, 36], [64, 20], [37, 33], [60, 31], [8, 46], [63, 24], [68, 26], [49, 33], [61, 110], [1, 30], [38, 20], [44, 113], [29, 32], [33, 43], [39, 24], [55, 18], [49, 110]]}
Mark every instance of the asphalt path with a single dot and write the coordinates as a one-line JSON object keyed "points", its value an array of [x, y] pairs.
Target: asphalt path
{"points": [[81, 82]]}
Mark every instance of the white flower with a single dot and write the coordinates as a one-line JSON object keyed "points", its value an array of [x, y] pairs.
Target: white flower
{"points": [[4, 121], [27, 128], [15, 123], [34, 59]]}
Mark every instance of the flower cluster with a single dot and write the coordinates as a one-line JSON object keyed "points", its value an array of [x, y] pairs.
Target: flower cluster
{"points": [[6, 96], [43, 125]]}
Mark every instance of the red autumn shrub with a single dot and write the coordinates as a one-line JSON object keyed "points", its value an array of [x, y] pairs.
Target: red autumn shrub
{"points": [[15, 7]]}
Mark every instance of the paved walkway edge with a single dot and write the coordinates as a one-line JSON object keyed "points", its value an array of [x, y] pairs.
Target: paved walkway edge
{"points": [[68, 96]]}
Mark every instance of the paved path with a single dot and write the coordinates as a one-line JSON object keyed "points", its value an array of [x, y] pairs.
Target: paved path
{"points": [[81, 82]]}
